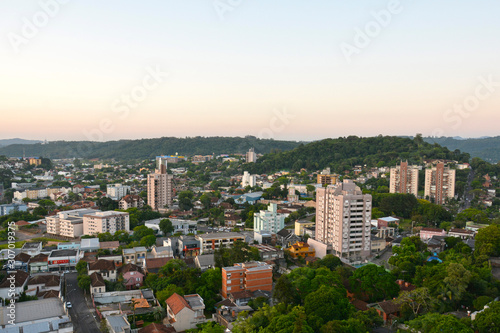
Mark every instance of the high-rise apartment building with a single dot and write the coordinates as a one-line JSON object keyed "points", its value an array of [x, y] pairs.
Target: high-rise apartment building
{"points": [[248, 180], [439, 183], [343, 215], [110, 221], [404, 179], [254, 275], [251, 156], [160, 188]]}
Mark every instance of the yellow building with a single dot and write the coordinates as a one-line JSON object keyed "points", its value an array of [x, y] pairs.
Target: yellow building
{"points": [[300, 225], [301, 249], [34, 161], [327, 179]]}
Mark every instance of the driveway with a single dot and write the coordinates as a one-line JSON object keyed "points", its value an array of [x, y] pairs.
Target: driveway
{"points": [[81, 316]]}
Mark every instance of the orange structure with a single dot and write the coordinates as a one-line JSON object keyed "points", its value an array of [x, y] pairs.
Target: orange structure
{"points": [[301, 249], [251, 276]]}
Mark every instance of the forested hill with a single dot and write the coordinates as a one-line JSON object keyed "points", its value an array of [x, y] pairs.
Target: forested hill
{"points": [[344, 153], [487, 149], [148, 148]]}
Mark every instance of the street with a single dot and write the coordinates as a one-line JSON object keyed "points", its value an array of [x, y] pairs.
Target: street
{"points": [[82, 318]]}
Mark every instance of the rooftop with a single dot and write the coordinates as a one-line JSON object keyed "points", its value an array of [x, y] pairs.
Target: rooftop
{"points": [[218, 235], [34, 310], [63, 253]]}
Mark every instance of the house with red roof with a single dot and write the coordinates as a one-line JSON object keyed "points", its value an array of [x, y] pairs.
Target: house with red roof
{"points": [[185, 312]]}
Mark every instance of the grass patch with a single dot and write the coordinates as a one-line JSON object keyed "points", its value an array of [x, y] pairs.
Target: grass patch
{"points": [[17, 245]]}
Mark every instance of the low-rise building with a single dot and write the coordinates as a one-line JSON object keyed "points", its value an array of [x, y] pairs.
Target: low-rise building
{"points": [[377, 244], [40, 285], [13, 284], [63, 259], [461, 233], [97, 284], [300, 225], [302, 249], [268, 252], [250, 276], [428, 233], [32, 248], [104, 267], [204, 262], [136, 255], [212, 241], [185, 312], [130, 201]]}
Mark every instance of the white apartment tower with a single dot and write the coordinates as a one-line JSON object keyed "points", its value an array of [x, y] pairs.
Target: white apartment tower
{"points": [[251, 156], [404, 179], [248, 180], [160, 188], [269, 220], [343, 215], [439, 183]]}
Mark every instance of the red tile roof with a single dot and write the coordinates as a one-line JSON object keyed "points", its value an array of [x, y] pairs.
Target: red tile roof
{"points": [[176, 303], [157, 328]]}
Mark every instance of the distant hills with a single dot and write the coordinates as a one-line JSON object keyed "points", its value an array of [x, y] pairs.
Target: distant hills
{"points": [[16, 141], [486, 148], [148, 148], [344, 153]]}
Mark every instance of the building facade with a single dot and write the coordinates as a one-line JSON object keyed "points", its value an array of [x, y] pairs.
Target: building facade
{"points": [[269, 220], [404, 179], [343, 219], [439, 183], [160, 188], [117, 191], [110, 221], [251, 156], [251, 276]]}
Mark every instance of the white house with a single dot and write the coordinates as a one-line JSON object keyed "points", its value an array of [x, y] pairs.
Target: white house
{"points": [[185, 312]]}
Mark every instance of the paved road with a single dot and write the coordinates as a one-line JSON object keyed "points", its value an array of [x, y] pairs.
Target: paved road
{"points": [[82, 318]]}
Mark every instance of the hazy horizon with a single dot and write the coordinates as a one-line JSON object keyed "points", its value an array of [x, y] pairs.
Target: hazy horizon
{"points": [[287, 70]]}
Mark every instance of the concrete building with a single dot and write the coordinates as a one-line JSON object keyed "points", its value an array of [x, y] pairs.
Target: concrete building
{"points": [[404, 179], [13, 284], [300, 225], [251, 156], [130, 201], [67, 223], [343, 219], [250, 276], [136, 255], [60, 260], [248, 180], [212, 241], [439, 183], [106, 268], [268, 252], [428, 233], [327, 179], [43, 315], [11, 208], [110, 221], [269, 220], [185, 312], [160, 188], [301, 249], [117, 191], [183, 226]]}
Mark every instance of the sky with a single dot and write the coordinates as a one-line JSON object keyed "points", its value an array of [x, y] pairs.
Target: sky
{"points": [[282, 69]]}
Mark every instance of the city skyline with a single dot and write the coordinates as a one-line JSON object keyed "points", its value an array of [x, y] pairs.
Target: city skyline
{"points": [[79, 71]]}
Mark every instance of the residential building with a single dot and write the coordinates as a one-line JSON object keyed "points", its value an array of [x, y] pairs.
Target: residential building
{"points": [[133, 276], [428, 233], [44, 286], [439, 183], [90, 244], [343, 219], [101, 222], [13, 284], [461, 233], [301, 224], [11, 208], [97, 284], [377, 244], [212, 241], [301, 249], [118, 324], [153, 265], [404, 179], [325, 178], [104, 267], [250, 276], [136, 255], [248, 180], [39, 263], [205, 262], [130, 201], [269, 220], [268, 252], [286, 237], [32, 248], [162, 251], [265, 237], [251, 156], [384, 222], [35, 161], [160, 188], [163, 160], [180, 226], [117, 191], [67, 223], [185, 312]]}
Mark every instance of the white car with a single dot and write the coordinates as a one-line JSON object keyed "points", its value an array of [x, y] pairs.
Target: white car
{"points": [[68, 305]]}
